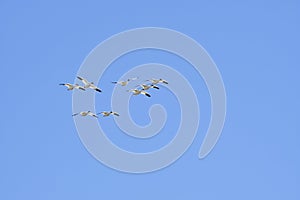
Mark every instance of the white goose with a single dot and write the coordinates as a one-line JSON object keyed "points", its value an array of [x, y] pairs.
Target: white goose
{"points": [[71, 86], [137, 92], [156, 81], [124, 83], [147, 87], [86, 113], [88, 84], [106, 113]]}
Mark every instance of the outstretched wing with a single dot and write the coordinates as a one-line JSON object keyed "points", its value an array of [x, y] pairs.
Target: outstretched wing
{"points": [[94, 87], [84, 81], [92, 114], [115, 113], [145, 93], [81, 88], [155, 87], [98, 90]]}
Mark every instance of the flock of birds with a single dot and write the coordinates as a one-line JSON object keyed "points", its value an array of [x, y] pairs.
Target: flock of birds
{"points": [[138, 90]]}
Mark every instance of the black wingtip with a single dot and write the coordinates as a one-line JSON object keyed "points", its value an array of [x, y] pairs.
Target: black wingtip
{"points": [[98, 90], [148, 95]]}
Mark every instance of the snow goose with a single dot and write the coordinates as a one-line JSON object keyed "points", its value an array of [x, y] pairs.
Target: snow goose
{"points": [[106, 113], [124, 83], [88, 84], [147, 87], [156, 81], [137, 92], [71, 86], [86, 113]]}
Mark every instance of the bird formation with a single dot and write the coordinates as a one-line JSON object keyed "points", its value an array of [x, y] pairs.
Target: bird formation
{"points": [[138, 90], [89, 113]]}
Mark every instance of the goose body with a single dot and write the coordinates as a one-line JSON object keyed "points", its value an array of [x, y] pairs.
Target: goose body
{"points": [[71, 86], [86, 113], [137, 92], [106, 113], [124, 83], [156, 81]]}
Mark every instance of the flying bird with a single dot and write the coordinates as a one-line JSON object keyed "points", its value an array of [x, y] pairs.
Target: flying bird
{"points": [[71, 86], [147, 87], [106, 113], [88, 84], [156, 81], [124, 83], [85, 113], [137, 92]]}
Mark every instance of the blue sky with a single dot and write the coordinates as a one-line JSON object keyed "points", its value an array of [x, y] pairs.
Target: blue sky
{"points": [[255, 45]]}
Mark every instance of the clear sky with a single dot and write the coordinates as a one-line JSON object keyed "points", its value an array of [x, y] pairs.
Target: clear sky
{"points": [[255, 45]]}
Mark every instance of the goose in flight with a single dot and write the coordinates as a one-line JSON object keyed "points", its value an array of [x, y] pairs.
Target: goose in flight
{"points": [[71, 86], [124, 83], [156, 81], [147, 87], [88, 84], [86, 113], [137, 92], [106, 113]]}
